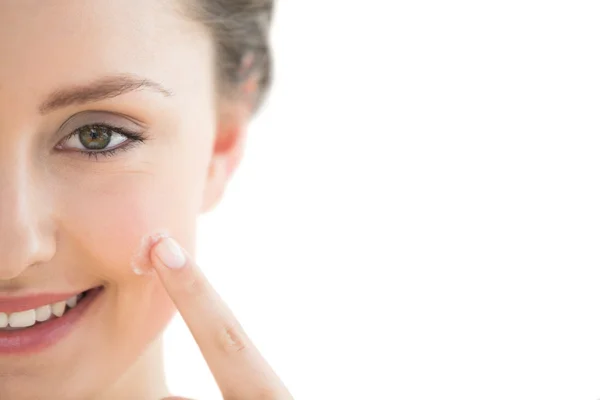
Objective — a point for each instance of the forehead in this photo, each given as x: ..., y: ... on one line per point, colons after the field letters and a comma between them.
x: 53, y: 43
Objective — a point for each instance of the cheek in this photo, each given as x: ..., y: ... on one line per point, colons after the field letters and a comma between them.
x: 109, y: 218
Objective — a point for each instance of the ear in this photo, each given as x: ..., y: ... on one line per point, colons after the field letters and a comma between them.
x: 233, y: 118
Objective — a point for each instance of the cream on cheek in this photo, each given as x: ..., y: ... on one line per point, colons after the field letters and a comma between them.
x: 108, y: 215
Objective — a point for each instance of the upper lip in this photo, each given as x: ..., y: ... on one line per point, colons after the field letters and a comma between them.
x: 10, y: 304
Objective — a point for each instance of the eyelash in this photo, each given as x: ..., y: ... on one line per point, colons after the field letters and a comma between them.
x: 134, y: 140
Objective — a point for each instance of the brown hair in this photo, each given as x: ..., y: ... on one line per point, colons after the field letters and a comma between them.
x: 240, y: 29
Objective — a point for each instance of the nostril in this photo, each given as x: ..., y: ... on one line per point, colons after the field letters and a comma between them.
x: 14, y: 262
x: 19, y: 253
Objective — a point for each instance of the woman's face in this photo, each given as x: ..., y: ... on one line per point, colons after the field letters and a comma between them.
x: 76, y: 77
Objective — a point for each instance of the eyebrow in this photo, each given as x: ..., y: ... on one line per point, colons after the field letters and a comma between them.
x: 104, y: 88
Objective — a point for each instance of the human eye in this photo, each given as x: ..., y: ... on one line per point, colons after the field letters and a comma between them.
x: 96, y: 140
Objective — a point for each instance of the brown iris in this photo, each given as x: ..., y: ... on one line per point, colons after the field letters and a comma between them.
x: 94, y: 137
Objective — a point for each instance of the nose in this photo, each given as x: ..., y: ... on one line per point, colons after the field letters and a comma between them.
x: 26, y: 232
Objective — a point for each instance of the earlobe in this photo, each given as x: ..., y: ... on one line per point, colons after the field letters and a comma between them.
x: 226, y: 156
x: 214, y: 186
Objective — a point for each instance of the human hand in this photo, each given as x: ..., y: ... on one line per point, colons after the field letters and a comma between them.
x: 238, y: 367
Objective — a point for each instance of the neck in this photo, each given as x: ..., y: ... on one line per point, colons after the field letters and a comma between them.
x: 144, y: 380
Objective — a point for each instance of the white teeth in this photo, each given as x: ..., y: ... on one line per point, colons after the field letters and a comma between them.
x: 43, y: 313
x: 22, y: 319
x: 72, y: 302
x: 58, y: 309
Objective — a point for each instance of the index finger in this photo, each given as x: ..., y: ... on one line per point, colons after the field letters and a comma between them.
x: 238, y: 367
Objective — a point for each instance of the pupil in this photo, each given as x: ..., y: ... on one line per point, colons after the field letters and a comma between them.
x: 94, y: 137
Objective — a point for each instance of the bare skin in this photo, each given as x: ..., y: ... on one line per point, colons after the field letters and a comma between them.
x: 73, y: 217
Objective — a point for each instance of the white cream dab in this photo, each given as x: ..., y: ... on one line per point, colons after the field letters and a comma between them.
x: 140, y: 262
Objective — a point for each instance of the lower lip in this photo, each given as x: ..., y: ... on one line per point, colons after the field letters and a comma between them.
x: 43, y: 335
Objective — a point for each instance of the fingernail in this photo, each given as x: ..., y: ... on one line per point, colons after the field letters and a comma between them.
x: 170, y: 253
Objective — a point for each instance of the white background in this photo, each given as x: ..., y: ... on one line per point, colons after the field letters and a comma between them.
x: 417, y: 216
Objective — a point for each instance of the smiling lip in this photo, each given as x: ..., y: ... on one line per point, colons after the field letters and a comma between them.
x: 42, y: 335
x: 15, y: 304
